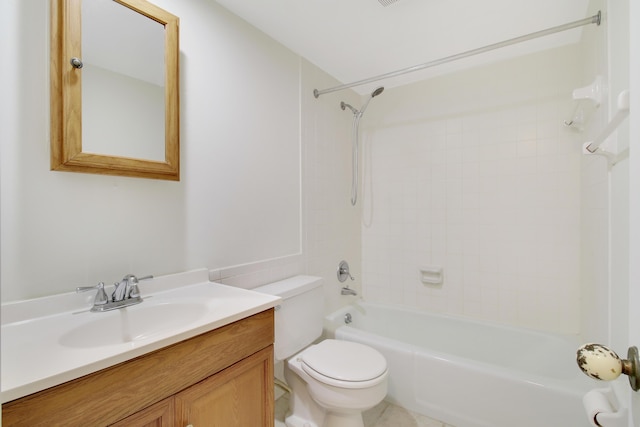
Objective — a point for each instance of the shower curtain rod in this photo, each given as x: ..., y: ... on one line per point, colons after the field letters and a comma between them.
x: 595, y: 19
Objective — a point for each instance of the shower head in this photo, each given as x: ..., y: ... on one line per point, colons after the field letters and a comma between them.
x: 344, y: 105
x: 375, y: 93
x: 378, y: 91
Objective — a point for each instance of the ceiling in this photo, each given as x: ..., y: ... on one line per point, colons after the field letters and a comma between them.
x: 358, y: 39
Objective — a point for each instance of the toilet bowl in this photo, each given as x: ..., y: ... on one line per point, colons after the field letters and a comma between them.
x: 343, y: 378
x: 331, y: 381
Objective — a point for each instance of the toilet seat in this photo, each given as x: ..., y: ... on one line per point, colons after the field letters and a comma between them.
x: 344, y: 364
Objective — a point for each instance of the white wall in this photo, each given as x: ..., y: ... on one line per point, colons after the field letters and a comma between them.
x: 594, y: 189
x: 238, y: 209
x: 634, y: 188
x: 333, y: 228
x: 474, y: 172
x: 619, y: 43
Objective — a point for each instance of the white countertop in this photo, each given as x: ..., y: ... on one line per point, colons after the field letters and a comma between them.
x: 48, y: 341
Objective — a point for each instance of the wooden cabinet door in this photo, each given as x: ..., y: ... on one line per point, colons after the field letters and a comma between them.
x: 239, y: 396
x: 160, y: 414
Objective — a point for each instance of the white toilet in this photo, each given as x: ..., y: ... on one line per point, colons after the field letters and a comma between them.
x: 333, y: 381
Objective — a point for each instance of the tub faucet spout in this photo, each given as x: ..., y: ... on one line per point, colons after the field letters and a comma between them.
x: 348, y: 291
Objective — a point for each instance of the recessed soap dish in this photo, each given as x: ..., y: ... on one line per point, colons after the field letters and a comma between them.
x: 431, y: 275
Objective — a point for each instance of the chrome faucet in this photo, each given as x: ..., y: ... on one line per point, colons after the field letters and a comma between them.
x: 126, y: 293
x: 343, y: 273
x: 348, y: 291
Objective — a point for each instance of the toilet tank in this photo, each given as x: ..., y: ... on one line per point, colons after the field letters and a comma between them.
x: 299, y: 317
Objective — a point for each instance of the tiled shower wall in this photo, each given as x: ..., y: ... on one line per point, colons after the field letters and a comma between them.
x: 475, y: 173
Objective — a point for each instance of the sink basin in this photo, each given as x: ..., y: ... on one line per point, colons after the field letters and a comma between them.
x: 132, y: 324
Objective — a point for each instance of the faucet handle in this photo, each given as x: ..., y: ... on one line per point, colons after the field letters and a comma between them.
x: 131, y: 282
x: 343, y: 271
x: 131, y: 278
x: 101, y: 295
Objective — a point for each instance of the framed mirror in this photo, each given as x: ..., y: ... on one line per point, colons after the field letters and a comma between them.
x: 115, y: 110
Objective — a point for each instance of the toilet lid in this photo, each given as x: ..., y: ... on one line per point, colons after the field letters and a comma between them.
x: 345, y: 360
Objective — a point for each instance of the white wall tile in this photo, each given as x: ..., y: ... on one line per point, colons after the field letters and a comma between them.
x: 497, y: 196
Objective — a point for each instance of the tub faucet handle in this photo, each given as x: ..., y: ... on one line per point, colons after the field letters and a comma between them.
x: 343, y: 271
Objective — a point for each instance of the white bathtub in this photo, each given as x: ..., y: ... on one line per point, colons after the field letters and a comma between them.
x: 470, y: 373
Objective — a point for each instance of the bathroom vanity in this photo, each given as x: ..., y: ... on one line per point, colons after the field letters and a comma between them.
x: 210, y: 372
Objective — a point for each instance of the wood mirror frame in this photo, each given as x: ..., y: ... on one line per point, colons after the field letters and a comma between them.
x: 66, y: 98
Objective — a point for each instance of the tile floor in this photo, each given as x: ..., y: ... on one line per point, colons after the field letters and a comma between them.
x: 382, y: 415
x: 388, y: 415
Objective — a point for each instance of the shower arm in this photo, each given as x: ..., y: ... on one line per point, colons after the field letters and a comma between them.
x: 595, y: 19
